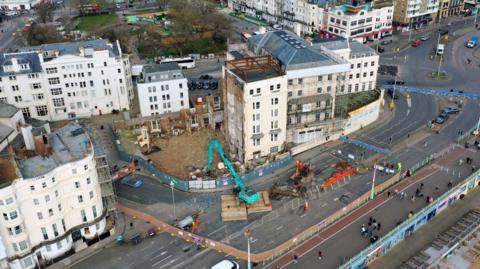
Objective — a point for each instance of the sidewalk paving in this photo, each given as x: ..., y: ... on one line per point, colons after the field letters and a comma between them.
x: 423, y: 238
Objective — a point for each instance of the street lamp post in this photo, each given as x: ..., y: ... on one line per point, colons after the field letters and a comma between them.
x: 372, y: 192
x: 248, y: 235
x: 172, y: 184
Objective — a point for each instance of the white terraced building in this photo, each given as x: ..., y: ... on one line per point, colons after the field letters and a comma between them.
x: 51, y: 200
x: 67, y: 80
x: 17, y: 4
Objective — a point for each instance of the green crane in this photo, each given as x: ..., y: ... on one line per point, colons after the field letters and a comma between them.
x: 247, y: 195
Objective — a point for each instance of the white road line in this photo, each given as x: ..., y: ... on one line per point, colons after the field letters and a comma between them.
x: 161, y: 254
x: 219, y: 229
x: 279, y: 227
x: 336, y: 199
x: 325, y: 204
x: 170, y: 262
x: 408, y: 111
x: 254, y: 240
x: 155, y: 264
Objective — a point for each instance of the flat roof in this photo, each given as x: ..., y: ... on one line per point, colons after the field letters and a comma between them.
x: 5, y: 131
x: 69, y: 143
x: 251, y: 69
x: 339, y: 43
x: 7, y: 110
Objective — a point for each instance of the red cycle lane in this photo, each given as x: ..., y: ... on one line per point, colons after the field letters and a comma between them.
x: 346, y: 221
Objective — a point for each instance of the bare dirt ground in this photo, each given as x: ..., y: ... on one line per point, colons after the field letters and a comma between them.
x: 7, y: 171
x: 183, y: 154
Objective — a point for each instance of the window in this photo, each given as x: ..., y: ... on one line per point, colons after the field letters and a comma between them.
x: 56, y: 193
x: 36, y: 86
x: 9, y: 200
x: 91, y: 194
x: 278, y: 86
x: 48, y: 248
x: 5, y: 216
x: 47, y: 198
x: 56, y: 91
x: 39, y: 215
x: 59, y: 207
x: 44, y: 232
x: 3, y: 100
x: 256, y: 105
x: 27, y: 262
x: 365, y: 74
x: 104, y: 63
x: 74, y: 171
x: 88, y: 180
x: 54, y: 81
x: 77, y: 184
x: 275, y: 101
x: 256, y: 141
x: 359, y: 65
x: 329, y: 77
x: 35, y: 201
x: 371, y: 73
x: 272, y: 87
x: 80, y: 199
x: 38, y: 96
x: 365, y: 64
x: 51, y: 70
x: 50, y: 212
x: 44, y: 185
x: 290, y: 82
x: 94, y: 210
x: 274, y: 124
x: 300, y: 81
x: 290, y: 94
x: 58, y: 102
x: 42, y: 110
x: 258, y: 90
x: 357, y: 75
x: 83, y: 215
x: 55, y: 230
x: 372, y: 63
x: 32, y: 188
x: 12, y: 78
x: 299, y: 93
x: 319, y: 90
x: 13, y: 215
x: 59, y: 244
x: 15, y: 247
x: 18, y: 98
x: 23, y: 245
x: 251, y: 91
x: 274, y: 137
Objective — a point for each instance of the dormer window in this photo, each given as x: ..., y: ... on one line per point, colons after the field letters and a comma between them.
x: 24, y: 66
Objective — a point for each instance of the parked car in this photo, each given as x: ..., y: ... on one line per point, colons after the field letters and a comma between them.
x: 397, y: 82
x: 425, y: 38
x: 441, y: 118
x: 450, y: 110
x: 206, y: 77
x: 380, y: 49
x: 132, y: 182
x: 386, y: 42
x: 443, y: 31
x: 277, y: 27
x: 416, y: 43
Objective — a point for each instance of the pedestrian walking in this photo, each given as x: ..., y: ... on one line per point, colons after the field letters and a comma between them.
x: 305, y: 206
x: 428, y: 199
x: 412, y: 199
x: 425, y: 144
x: 417, y: 192
x: 295, y: 259
x: 378, y: 226
x: 437, y: 189
x: 364, y: 230
x: 320, y: 255
x: 370, y: 220
x: 410, y: 214
x: 388, y: 194
x: 450, y: 184
x: 421, y: 186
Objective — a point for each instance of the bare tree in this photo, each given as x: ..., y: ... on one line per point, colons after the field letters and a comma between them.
x: 45, y: 11
x: 163, y: 4
x: 42, y: 34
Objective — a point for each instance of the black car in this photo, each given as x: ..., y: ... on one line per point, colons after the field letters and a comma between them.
x: 397, y: 82
x: 390, y: 93
x: 380, y: 49
x: 443, y: 31
x: 206, y: 77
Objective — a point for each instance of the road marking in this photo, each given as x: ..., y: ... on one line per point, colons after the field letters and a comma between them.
x: 279, y: 227
x: 161, y: 254
x: 254, y: 240
x: 155, y: 264
x: 336, y: 199
x: 170, y: 262
x: 325, y: 204
x: 408, y: 111
x: 219, y: 229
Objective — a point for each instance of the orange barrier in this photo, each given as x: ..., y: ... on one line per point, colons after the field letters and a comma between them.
x: 339, y: 176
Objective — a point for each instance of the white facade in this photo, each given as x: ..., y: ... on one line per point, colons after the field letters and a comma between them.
x: 360, y: 22
x: 255, y: 114
x: 162, y: 88
x: 67, y: 80
x: 41, y: 209
x: 17, y: 4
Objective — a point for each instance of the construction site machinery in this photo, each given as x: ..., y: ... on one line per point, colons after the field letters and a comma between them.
x: 277, y: 191
x: 247, y: 195
x: 125, y: 171
x: 303, y: 172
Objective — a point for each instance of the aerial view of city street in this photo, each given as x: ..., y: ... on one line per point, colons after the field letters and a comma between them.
x: 227, y: 134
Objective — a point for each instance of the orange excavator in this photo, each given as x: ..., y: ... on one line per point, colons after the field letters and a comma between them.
x: 125, y: 171
x: 303, y: 172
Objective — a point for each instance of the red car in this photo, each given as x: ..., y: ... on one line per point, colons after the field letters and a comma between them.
x: 416, y: 43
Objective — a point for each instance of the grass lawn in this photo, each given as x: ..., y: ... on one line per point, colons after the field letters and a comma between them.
x: 89, y: 23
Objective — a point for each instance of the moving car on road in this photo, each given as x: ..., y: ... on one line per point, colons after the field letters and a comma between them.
x: 450, y: 110
x: 416, y: 43
x: 380, y: 49
x: 425, y: 38
x: 441, y: 118
x: 396, y: 82
x: 440, y: 49
x: 443, y: 31
x: 226, y: 264
x: 472, y: 42
x: 132, y: 182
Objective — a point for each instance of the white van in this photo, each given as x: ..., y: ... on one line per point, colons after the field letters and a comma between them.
x: 440, y: 49
x: 226, y: 264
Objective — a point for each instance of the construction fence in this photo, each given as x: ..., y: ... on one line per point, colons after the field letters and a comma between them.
x: 192, y: 185
x: 348, y: 209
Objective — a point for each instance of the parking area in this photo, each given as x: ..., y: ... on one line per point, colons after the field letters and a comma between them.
x: 388, y: 70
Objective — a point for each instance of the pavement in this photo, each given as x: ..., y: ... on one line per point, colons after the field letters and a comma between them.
x: 424, y: 236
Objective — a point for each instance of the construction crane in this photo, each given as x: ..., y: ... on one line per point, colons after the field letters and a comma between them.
x: 247, y: 195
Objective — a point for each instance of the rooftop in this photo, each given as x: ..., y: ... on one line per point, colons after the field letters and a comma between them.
x: 166, y: 71
x: 356, y: 49
x: 7, y: 170
x: 30, y: 58
x: 73, y: 48
x: 251, y: 69
x: 5, y: 131
x: 69, y: 143
x: 290, y: 50
x: 7, y: 110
